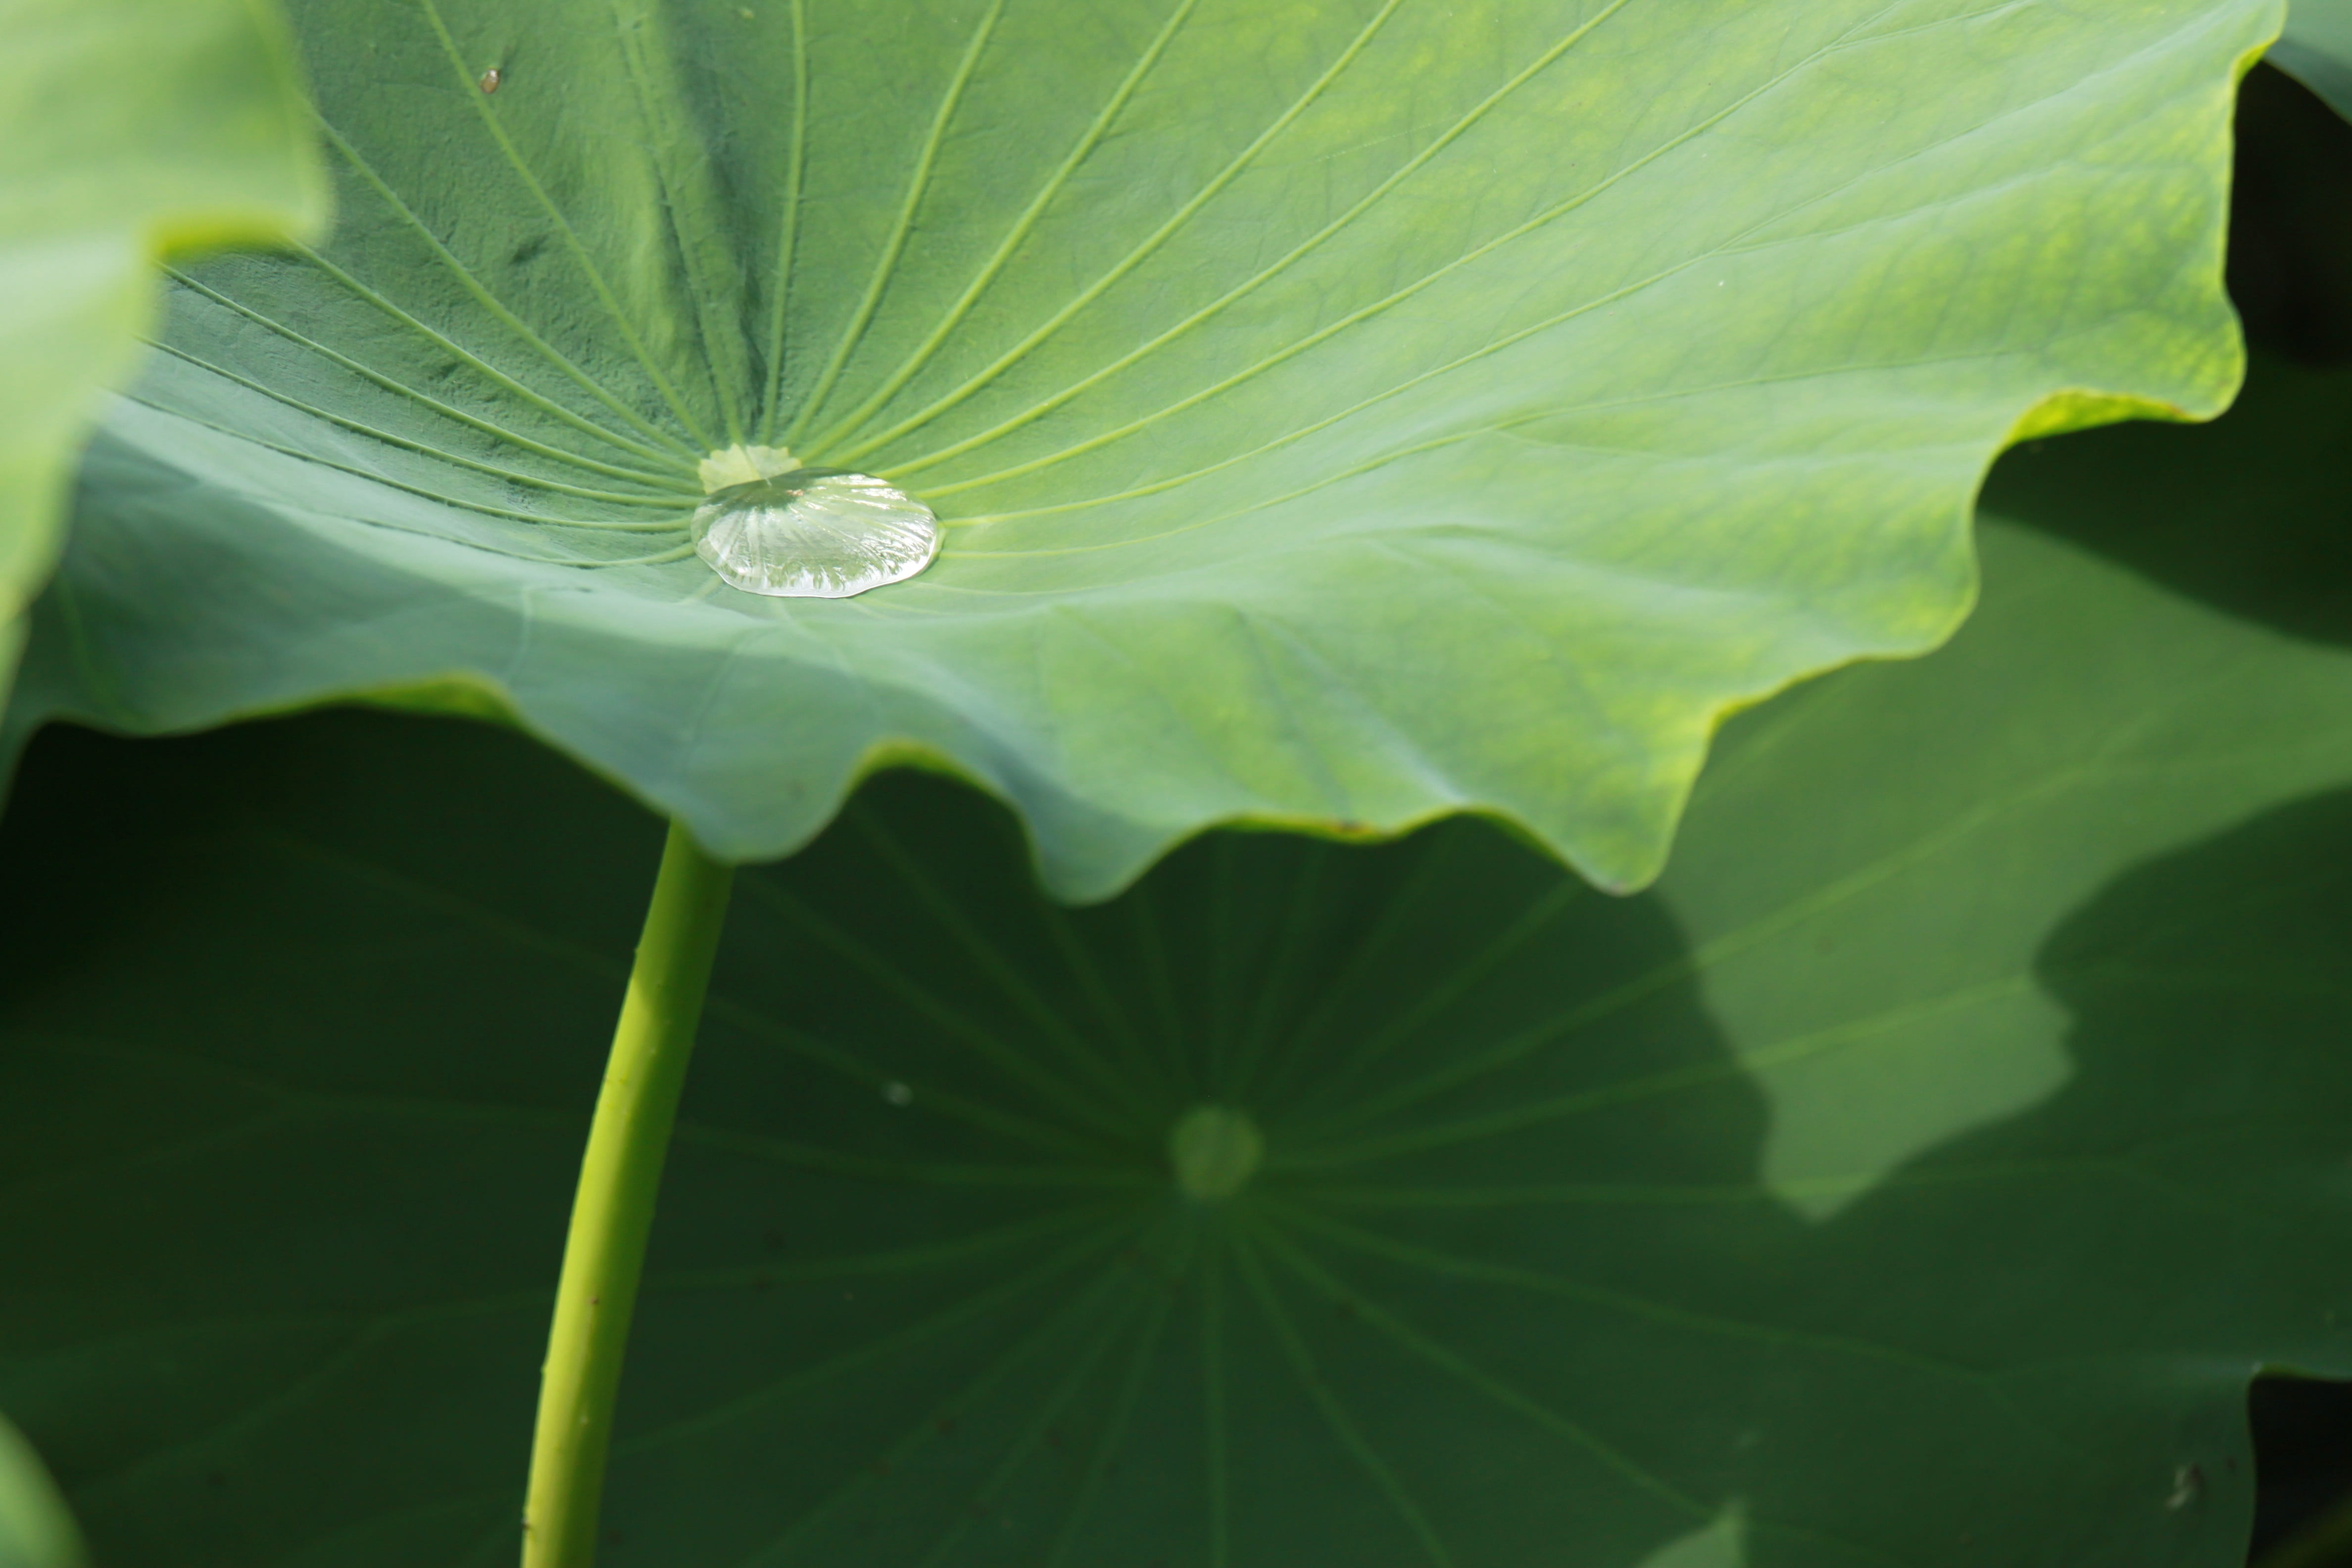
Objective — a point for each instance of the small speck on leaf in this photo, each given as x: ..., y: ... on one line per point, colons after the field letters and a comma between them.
x: 490, y: 79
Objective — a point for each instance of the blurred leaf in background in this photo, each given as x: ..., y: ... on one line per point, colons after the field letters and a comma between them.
x: 36, y: 1532
x: 130, y: 130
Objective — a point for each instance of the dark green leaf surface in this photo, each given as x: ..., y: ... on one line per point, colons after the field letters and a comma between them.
x: 1344, y: 415
x: 34, y: 1529
x: 1915, y: 1177
x: 2318, y: 48
x: 128, y: 130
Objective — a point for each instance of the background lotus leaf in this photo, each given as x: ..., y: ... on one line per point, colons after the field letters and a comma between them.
x: 34, y: 1529
x: 1344, y: 415
x: 1917, y: 1175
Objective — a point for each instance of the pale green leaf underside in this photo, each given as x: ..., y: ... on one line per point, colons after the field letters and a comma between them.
x: 34, y: 1529
x: 2316, y: 47
x: 1343, y: 414
x: 1915, y: 1177
x: 129, y: 129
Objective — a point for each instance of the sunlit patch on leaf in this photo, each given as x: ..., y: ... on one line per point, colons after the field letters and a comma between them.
x: 36, y: 1532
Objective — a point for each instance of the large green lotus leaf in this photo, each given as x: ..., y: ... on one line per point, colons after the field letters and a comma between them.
x: 34, y: 1529
x: 128, y: 130
x: 2318, y: 48
x: 1916, y: 1177
x: 1343, y: 414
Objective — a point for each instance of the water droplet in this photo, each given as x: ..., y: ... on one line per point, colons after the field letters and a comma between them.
x: 490, y: 79
x: 1215, y: 1149
x: 822, y: 533
x: 897, y: 1093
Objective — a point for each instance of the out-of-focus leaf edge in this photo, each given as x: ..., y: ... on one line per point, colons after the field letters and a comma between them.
x: 36, y: 1531
x: 301, y: 213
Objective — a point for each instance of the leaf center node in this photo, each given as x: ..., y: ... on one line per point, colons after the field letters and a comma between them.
x: 1215, y: 1149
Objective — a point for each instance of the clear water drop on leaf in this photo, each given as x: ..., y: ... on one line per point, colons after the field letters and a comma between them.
x: 823, y: 533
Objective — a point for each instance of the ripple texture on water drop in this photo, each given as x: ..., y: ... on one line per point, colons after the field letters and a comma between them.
x: 815, y: 533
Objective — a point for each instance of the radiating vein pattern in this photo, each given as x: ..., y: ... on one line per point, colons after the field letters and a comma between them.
x: 1029, y: 316
x: 1215, y: 1366
x: 1408, y: 1205
x: 976, y: 1314
x: 936, y: 1367
x: 1509, y: 1161
x: 1269, y: 375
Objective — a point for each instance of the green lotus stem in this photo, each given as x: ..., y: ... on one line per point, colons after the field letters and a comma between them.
x: 612, y: 1213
